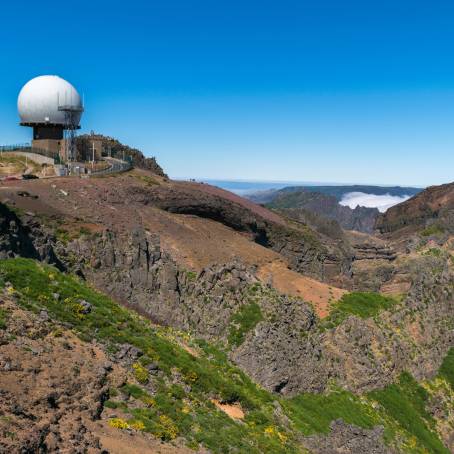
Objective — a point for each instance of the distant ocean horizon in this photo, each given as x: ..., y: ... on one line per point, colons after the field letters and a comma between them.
x: 243, y: 187
x: 247, y: 187
x: 382, y: 200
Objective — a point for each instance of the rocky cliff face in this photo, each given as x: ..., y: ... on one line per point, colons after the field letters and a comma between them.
x: 112, y: 396
x: 432, y: 208
x: 214, y: 304
x: 23, y: 236
x: 303, y: 247
x: 360, y: 354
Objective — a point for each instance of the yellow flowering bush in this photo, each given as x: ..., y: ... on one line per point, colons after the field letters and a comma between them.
x: 167, y: 430
x: 140, y: 373
x: 79, y: 310
x: 273, y: 432
x: 148, y: 401
x: 118, y: 423
x: 137, y: 425
x: 43, y: 299
x: 191, y: 377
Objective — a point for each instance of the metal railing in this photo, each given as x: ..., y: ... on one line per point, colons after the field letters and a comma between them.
x: 15, y: 147
x: 116, y: 166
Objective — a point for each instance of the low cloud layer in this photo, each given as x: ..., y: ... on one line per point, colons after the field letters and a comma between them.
x: 382, y: 202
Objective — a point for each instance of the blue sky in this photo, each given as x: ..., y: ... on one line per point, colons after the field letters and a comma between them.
x: 326, y: 91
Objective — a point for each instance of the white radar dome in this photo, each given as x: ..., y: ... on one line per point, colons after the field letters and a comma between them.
x: 46, y: 100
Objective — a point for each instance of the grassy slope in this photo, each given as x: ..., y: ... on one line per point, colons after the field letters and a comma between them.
x: 182, y: 406
x: 360, y: 304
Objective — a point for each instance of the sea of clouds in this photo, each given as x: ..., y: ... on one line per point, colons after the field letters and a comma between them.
x: 382, y: 202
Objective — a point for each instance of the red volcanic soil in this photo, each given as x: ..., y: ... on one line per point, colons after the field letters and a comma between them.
x: 120, y: 203
x: 256, y: 209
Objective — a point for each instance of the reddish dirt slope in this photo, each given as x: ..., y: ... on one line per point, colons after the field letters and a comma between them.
x: 194, y: 242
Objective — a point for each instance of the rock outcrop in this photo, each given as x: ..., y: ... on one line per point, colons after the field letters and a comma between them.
x: 349, y: 439
x: 432, y: 207
x: 23, y: 236
x: 285, y: 351
x: 304, y: 248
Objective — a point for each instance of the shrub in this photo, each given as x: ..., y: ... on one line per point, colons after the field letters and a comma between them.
x: 3, y: 318
x: 242, y: 322
x: 136, y: 425
x: 361, y: 304
x: 447, y: 368
x: 434, y: 229
x: 167, y: 430
x: 140, y: 373
x: 118, y: 423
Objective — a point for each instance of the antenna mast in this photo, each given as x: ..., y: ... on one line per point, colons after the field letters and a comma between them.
x: 72, y: 115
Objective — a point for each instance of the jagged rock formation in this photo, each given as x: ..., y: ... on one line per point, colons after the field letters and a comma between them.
x: 369, y: 354
x: 132, y: 267
x: 110, y: 396
x: 348, y: 438
x: 287, y: 335
x: 304, y: 249
x: 24, y: 237
x: 434, y: 207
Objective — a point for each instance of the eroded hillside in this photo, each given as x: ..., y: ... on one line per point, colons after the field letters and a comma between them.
x: 126, y: 385
x: 245, y: 313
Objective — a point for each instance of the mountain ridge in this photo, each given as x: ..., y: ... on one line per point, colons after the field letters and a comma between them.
x: 206, y: 303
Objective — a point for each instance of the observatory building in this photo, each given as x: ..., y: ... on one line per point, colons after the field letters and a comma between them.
x: 53, y: 108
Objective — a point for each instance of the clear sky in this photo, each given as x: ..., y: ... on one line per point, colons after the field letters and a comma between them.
x: 328, y: 91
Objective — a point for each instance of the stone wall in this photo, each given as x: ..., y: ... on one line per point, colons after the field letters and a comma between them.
x: 38, y: 158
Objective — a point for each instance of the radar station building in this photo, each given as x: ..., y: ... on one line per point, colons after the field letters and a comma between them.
x: 53, y: 108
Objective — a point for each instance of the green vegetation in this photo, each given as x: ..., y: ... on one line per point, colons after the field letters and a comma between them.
x: 3, y: 318
x: 66, y: 233
x: 361, y: 304
x: 242, y: 322
x: 446, y: 370
x: 405, y: 402
x: 313, y: 413
x: 173, y: 409
x: 191, y: 275
x: 434, y: 229
x: 434, y: 252
x: 181, y: 404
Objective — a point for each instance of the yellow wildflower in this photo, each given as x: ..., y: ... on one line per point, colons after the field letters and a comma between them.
x: 137, y: 425
x: 118, y: 423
